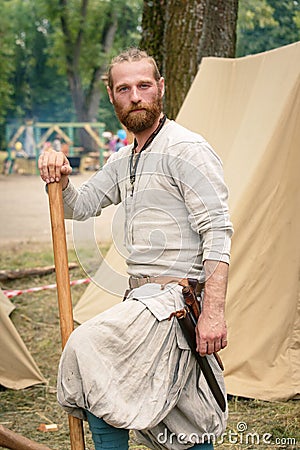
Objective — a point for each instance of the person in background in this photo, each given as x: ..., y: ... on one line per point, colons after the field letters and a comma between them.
x: 56, y: 144
x: 119, y: 144
x: 130, y: 367
x: 9, y: 163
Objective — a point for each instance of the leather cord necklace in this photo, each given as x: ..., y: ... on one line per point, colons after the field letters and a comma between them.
x: 133, y: 165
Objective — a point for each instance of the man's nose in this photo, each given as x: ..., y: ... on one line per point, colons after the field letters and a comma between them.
x: 135, y: 95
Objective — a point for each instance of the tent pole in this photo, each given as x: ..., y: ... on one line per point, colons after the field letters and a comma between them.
x: 63, y: 290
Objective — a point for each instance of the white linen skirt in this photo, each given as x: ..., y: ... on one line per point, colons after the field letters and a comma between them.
x: 131, y: 366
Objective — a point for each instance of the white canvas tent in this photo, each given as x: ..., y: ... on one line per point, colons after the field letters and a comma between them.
x: 249, y: 110
x: 107, y: 289
x: 18, y: 370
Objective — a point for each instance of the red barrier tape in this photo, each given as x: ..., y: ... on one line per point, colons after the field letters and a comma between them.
x: 13, y: 293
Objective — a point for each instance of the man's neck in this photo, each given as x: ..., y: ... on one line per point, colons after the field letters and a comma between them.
x: 142, y: 137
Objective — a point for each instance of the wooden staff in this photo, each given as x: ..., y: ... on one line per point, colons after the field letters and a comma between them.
x: 63, y: 290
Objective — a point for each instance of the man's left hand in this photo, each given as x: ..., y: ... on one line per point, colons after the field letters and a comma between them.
x: 211, y: 334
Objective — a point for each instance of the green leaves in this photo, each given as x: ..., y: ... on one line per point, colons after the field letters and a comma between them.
x: 267, y: 24
x: 54, y: 53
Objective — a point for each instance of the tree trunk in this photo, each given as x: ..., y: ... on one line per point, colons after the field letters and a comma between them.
x: 178, y: 33
x: 153, y: 25
x: 218, y: 36
x: 183, y: 25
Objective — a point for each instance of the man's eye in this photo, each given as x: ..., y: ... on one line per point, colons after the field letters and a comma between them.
x: 144, y: 85
x: 123, y: 89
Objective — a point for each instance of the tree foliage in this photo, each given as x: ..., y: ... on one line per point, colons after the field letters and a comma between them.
x: 36, y: 90
x: 6, y: 65
x: 85, y: 35
x: 53, y: 54
x: 267, y: 24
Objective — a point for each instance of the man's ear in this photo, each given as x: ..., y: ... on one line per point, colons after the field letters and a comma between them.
x: 110, y: 94
x: 162, y: 86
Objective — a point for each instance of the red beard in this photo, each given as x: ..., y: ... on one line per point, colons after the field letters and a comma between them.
x: 140, y: 120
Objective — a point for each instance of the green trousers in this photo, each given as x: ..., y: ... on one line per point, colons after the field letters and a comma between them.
x: 106, y: 437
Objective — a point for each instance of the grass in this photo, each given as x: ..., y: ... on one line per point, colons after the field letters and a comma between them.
x: 36, y: 319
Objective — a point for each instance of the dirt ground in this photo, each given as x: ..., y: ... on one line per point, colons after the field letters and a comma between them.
x: 25, y: 217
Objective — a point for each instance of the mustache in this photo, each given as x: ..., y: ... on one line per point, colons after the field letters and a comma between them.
x: 138, y: 106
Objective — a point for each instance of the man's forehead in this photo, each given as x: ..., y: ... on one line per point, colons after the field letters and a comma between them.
x: 130, y: 70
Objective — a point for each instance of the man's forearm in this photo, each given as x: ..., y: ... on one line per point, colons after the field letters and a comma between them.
x: 216, y: 278
x: 211, y: 331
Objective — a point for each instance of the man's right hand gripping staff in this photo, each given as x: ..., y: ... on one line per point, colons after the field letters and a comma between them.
x: 54, y: 166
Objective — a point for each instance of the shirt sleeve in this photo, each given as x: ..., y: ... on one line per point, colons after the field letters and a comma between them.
x: 101, y: 190
x: 200, y: 180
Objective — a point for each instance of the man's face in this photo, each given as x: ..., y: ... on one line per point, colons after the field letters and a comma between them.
x: 136, y: 95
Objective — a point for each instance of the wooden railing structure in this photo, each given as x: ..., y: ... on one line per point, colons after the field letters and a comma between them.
x: 41, y: 132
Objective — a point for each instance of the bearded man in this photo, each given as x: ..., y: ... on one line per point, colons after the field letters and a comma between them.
x: 131, y: 367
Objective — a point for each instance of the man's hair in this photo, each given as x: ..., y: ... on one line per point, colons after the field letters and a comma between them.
x: 132, y: 54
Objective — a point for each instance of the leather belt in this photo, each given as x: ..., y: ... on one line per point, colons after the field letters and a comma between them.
x: 136, y: 282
